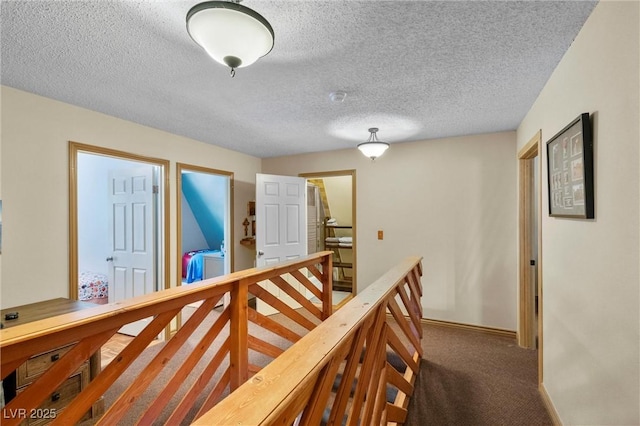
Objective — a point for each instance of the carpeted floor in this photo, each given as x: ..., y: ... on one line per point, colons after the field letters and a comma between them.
x: 466, y: 378
x: 473, y: 378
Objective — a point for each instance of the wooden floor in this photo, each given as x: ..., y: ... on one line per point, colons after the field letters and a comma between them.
x: 340, y: 298
x: 113, y: 347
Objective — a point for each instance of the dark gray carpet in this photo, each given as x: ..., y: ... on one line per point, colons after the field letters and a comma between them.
x: 474, y: 378
x: 466, y: 378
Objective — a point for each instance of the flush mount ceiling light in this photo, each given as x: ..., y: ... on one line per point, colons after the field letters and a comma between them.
x: 373, y: 148
x: 230, y: 33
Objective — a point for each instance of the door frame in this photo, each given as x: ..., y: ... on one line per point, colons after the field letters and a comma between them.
x: 343, y: 173
x: 229, y: 245
x: 163, y: 241
x: 526, y: 298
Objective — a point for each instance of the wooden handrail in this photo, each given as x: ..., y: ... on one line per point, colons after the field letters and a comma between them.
x: 89, y: 329
x: 338, y: 366
x: 360, y: 344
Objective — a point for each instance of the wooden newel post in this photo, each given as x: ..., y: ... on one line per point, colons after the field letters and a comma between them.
x: 239, y: 350
x: 327, y: 286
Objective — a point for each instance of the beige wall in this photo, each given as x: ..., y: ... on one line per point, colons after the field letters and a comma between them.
x: 590, y: 267
x: 339, y: 195
x: 452, y: 201
x: 339, y: 191
x: 0, y: 184
x: 34, y: 168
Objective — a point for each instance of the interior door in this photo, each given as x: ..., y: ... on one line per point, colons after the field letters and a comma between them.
x: 132, y: 259
x: 281, y: 226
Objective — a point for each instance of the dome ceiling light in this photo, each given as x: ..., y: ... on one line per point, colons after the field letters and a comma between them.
x: 230, y: 33
x: 373, y: 148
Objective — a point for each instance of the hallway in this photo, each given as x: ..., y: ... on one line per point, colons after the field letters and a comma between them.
x: 469, y: 377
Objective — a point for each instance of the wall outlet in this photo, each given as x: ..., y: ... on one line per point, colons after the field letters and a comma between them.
x: 380, y: 235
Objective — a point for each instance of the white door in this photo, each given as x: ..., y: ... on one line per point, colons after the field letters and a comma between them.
x: 132, y: 259
x: 281, y: 226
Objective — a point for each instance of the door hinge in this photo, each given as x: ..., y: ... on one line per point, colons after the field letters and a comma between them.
x: 156, y: 189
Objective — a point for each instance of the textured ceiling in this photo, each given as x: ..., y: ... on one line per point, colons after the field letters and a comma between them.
x: 415, y: 69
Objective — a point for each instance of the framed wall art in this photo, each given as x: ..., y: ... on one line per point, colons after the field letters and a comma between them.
x: 570, y: 170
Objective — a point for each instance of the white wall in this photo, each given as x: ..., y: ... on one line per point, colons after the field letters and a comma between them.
x: 93, y: 213
x: 591, y: 267
x: 452, y: 201
x: 34, y: 168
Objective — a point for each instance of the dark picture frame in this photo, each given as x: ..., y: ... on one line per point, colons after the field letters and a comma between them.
x: 570, y: 170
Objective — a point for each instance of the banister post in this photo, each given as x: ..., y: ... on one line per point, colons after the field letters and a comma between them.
x: 238, y: 334
x: 327, y: 286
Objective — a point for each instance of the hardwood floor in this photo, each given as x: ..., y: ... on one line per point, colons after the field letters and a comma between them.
x: 114, y: 346
x: 340, y: 298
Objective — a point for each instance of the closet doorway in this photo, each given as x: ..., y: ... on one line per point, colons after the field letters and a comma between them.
x: 530, y: 284
x: 204, y: 222
x: 331, y: 222
x: 117, y: 226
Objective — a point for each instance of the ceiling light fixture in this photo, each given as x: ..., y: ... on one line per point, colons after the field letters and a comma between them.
x: 230, y: 33
x: 373, y: 148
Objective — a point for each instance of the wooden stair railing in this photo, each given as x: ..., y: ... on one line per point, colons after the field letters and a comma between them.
x: 230, y: 366
x: 357, y: 368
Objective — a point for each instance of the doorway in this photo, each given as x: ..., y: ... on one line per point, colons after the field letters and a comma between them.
x: 117, y: 226
x: 281, y: 232
x: 530, y: 248
x: 205, y: 223
x: 313, y: 212
x: 336, y: 227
